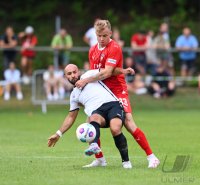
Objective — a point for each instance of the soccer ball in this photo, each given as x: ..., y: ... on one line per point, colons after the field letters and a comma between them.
x: 86, y: 133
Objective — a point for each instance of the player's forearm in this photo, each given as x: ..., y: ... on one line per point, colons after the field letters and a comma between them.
x: 68, y: 122
x: 118, y: 71
x: 103, y: 74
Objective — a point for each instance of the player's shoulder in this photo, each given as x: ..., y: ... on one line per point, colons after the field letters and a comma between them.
x: 114, y: 44
x: 75, y: 93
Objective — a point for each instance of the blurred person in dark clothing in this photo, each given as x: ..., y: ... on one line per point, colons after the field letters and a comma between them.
x: 135, y: 83
x: 8, y: 41
x: 162, y: 85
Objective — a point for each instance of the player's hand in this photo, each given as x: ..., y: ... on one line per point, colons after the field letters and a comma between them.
x: 129, y: 70
x: 80, y: 84
x: 52, y: 140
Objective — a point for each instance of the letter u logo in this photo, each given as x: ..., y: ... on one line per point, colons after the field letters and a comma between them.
x: 179, y: 165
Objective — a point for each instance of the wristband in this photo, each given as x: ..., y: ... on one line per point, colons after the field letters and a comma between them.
x: 59, y: 133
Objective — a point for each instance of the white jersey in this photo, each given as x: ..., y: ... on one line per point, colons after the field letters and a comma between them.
x: 92, y: 96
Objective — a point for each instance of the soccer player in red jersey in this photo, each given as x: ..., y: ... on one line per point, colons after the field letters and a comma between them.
x: 107, y: 56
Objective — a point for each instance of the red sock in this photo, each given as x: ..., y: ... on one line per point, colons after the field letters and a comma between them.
x: 99, y: 155
x: 140, y: 137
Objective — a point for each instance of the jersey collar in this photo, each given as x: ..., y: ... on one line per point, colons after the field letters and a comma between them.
x: 103, y: 47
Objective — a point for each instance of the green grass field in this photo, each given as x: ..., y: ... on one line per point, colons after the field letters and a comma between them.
x: 172, y: 127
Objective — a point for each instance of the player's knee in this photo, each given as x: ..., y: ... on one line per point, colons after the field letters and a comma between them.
x: 115, y: 128
x: 129, y: 123
x: 115, y: 132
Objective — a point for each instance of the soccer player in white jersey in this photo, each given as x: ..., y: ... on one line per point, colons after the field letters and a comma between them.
x: 102, y: 108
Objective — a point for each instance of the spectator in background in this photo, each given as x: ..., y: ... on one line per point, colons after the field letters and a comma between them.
x: 152, y: 60
x: 86, y: 67
x: 139, y: 46
x: 162, y: 85
x: 162, y: 47
x: 90, y: 37
x: 8, y: 41
x: 62, y: 42
x: 187, y: 44
x: 199, y: 83
x: 51, y: 83
x: 12, y: 78
x: 28, y: 42
x: 56, y: 87
x: 164, y: 29
x: 135, y: 83
x: 168, y: 60
x: 64, y: 86
x: 116, y: 37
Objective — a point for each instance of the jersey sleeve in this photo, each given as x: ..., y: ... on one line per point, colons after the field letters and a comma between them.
x: 114, y: 56
x: 74, y: 101
x: 90, y: 73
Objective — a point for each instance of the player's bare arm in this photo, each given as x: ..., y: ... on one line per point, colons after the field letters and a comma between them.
x: 118, y: 71
x: 68, y: 122
x: 103, y: 74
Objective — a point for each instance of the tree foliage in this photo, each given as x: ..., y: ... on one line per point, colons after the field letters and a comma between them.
x: 78, y: 15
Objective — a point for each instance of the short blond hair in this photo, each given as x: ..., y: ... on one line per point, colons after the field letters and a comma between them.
x: 101, y: 25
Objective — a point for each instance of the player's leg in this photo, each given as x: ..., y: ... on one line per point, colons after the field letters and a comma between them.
x: 141, y: 139
x: 137, y: 133
x: 97, y: 121
x: 120, y: 141
x: 99, y: 155
x: 100, y: 160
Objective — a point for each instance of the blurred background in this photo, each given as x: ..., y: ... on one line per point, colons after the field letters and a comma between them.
x: 160, y: 41
x: 41, y: 37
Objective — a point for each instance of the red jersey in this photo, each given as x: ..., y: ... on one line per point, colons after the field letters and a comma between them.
x: 140, y: 40
x: 29, y: 41
x: 110, y: 55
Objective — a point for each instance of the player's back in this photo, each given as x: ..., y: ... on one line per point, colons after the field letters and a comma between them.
x: 93, y: 95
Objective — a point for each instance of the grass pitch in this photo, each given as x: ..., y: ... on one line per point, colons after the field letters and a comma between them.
x: 171, y: 126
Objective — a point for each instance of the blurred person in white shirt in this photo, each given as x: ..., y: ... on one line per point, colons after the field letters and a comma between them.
x: 55, y: 84
x: 90, y: 37
x: 12, y: 78
x: 51, y: 83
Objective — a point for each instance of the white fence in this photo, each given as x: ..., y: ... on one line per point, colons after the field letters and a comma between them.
x: 38, y: 92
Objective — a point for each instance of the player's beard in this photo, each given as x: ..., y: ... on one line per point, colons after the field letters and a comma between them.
x: 74, y: 80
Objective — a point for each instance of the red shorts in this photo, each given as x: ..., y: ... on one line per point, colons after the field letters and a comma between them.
x: 123, y: 98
